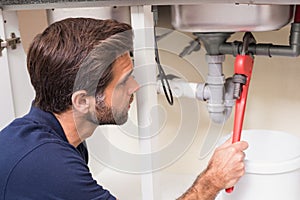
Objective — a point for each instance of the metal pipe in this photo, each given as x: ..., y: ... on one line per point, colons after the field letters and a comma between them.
x: 293, y: 50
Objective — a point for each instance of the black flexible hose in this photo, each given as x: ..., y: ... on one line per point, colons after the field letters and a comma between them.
x: 162, y: 74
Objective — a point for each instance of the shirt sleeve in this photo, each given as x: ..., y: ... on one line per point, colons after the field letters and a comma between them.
x: 54, y: 171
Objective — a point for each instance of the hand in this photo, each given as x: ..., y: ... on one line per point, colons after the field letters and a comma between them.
x: 224, y: 170
x: 227, y: 164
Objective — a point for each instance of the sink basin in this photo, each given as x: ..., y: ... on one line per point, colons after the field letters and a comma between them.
x: 230, y: 17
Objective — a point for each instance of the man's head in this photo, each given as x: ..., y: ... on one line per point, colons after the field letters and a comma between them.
x: 78, y: 60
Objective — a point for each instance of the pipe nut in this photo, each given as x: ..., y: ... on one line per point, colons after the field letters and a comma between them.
x: 215, y: 80
x: 215, y: 58
x: 215, y: 108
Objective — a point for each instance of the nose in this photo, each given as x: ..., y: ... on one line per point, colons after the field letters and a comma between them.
x: 133, y: 86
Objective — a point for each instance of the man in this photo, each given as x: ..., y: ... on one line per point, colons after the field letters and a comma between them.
x: 81, y: 71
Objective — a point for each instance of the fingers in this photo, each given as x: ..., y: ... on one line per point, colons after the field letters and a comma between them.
x: 241, y: 146
x: 236, y: 151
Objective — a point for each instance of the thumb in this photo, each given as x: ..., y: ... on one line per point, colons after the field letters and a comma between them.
x: 242, y: 145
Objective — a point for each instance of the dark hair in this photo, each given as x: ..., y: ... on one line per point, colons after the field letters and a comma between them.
x: 66, y: 47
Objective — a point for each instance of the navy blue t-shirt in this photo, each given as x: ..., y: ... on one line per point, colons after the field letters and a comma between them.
x: 37, y: 162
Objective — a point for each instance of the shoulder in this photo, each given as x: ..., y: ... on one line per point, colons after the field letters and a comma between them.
x: 54, y: 170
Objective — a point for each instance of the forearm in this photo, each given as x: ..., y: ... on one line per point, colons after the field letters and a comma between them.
x: 202, y: 189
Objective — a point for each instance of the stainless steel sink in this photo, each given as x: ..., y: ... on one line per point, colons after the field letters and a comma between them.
x: 230, y: 17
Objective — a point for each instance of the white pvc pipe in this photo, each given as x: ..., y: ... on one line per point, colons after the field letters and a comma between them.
x: 145, y: 73
x: 179, y: 88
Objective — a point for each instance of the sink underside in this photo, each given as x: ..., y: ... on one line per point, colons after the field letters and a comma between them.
x: 230, y: 17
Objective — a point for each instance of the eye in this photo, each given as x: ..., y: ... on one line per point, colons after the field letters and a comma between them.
x: 123, y: 82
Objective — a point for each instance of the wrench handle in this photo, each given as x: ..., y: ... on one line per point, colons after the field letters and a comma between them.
x: 229, y: 190
x: 243, y: 65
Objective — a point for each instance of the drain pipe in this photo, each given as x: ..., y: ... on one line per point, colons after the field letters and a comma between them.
x: 217, y: 91
x: 215, y: 83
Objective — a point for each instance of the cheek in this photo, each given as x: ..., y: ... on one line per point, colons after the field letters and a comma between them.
x: 119, y: 98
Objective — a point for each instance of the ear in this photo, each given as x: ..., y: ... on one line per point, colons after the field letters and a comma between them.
x: 81, y: 101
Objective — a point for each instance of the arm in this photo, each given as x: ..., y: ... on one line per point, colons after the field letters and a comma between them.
x: 224, y: 170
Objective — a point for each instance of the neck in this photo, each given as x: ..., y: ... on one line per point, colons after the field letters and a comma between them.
x: 75, y: 128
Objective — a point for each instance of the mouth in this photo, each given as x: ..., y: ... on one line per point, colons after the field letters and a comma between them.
x: 131, y: 99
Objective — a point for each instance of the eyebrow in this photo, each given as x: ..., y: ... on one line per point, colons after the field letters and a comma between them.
x: 126, y: 76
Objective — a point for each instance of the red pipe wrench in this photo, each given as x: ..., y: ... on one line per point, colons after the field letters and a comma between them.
x: 243, y: 69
